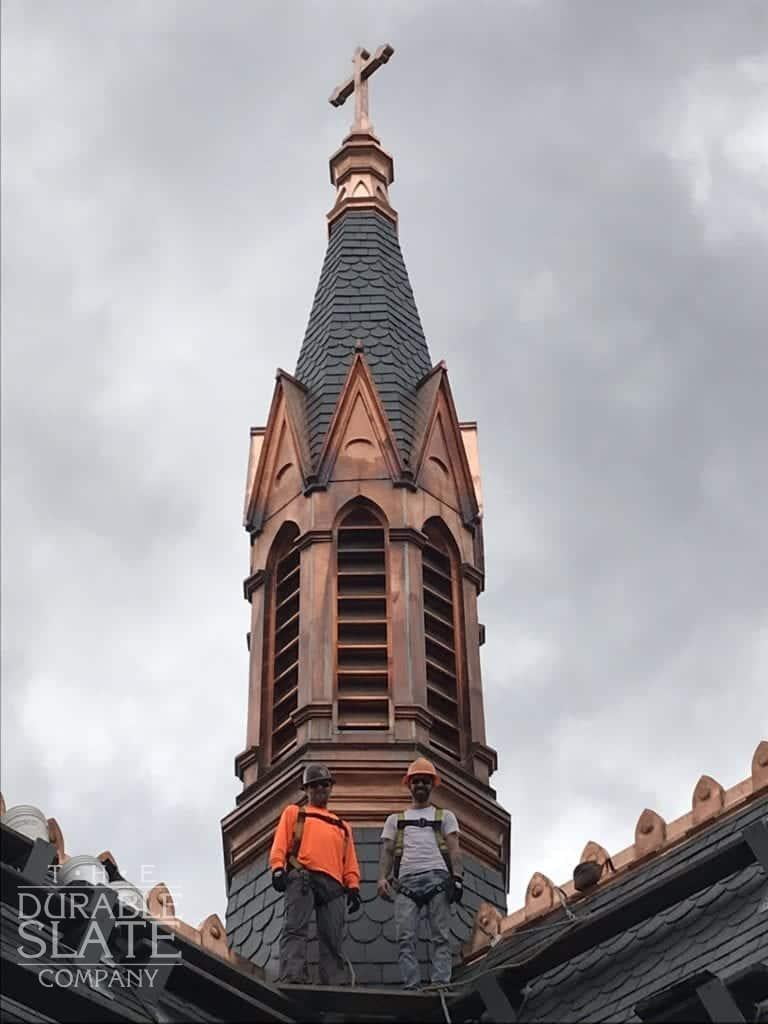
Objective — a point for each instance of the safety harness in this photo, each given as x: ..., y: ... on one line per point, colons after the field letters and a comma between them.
x: 436, y: 824
x: 298, y: 832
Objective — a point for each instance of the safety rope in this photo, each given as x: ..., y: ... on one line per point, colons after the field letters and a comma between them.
x: 447, y: 1015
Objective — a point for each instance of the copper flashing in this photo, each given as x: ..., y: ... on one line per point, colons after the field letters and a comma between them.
x: 281, y: 374
x: 442, y: 365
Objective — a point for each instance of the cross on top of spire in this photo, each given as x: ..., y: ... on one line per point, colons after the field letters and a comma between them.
x: 365, y: 65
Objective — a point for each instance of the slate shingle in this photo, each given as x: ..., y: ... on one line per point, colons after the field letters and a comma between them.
x: 363, y: 294
x: 720, y: 929
x: 370, y: 934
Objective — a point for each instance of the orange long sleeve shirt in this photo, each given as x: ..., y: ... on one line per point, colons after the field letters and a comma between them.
x: 323, y: 847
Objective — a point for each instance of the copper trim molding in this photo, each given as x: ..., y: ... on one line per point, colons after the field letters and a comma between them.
x: 469, y: 572
x: 415, y: 713
x: 252, y: 583
x: 313, y: 537
x: 307, y: 711
x: 244, y: 760
x: 407, y: 534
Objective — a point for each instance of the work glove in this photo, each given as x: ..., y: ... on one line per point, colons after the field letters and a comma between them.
x: 279, y: 881
x: 353, y: 900
x: 456, y: 891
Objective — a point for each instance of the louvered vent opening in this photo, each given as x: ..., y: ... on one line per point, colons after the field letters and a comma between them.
x: 285, y: 664
x: 362, y: 663
x: 440, y: 638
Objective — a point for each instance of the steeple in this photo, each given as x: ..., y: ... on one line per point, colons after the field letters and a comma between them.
x: 364, y: 298
x: 364, y: 510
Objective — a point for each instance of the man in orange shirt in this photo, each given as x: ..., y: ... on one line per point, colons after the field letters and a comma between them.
x: 314, y: 863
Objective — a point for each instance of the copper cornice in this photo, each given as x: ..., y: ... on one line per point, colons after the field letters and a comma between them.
x: 415, y: 713
x: 252, y: 583
x: 487, y: 754
x: 474, y: 575
x: 313, y: 537
x: 307, y: 711
x: 244, y: 760
x: 408, y: 534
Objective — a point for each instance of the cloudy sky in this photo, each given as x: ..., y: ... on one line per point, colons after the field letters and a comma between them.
x: 583, y: 199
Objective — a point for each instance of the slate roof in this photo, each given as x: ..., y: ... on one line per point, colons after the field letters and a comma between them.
x: 363, y: 295
x: 722, y: 928
x: 192, y: 984
x: 255, y: 916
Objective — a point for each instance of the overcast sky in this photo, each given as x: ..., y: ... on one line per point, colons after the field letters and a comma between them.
x: 583, y: 199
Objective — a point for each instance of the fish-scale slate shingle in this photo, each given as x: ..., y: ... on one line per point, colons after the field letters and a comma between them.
x: 253, y: 927
x: 363, y: 295
x: 721, y: 929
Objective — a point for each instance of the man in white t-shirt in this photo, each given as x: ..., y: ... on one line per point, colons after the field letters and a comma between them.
x: 420, y: 852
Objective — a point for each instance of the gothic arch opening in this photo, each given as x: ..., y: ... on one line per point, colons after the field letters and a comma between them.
x: 442, y: 637
x: 362, y: 619
x: 282, y: 641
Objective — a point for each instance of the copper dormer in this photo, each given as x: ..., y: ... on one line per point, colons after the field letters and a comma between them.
x: 361, y: 170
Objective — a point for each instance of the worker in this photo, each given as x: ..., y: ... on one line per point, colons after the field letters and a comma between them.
x: 313, y: 861
x: 420, y: 866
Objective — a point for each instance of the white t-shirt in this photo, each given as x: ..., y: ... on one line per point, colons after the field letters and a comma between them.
x: 420, y: 849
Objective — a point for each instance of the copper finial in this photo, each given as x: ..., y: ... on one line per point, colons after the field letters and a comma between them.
x: 360, y: 169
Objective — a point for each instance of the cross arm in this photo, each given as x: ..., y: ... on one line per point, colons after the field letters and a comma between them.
x: 343, y: 92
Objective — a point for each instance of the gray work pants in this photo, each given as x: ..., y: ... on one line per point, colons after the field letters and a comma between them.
x: 307, y: 891
x: 407, y: 913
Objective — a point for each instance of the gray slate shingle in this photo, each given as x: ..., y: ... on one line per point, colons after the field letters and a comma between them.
x: 253, y: 928
x: 720, y: 928
x: 363, y: 295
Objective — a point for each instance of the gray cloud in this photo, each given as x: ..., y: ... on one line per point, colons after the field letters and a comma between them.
x: 582, y: 193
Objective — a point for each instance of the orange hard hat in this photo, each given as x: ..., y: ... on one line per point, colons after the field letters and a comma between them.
x: 421, y: 766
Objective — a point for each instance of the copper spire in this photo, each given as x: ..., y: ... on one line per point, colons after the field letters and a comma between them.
x: 361, y: 170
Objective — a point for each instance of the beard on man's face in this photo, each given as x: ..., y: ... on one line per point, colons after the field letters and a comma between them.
x: 420, y: 789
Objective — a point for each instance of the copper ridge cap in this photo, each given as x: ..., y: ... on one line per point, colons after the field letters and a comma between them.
x: 653, y: 837
x: 360, y: 169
